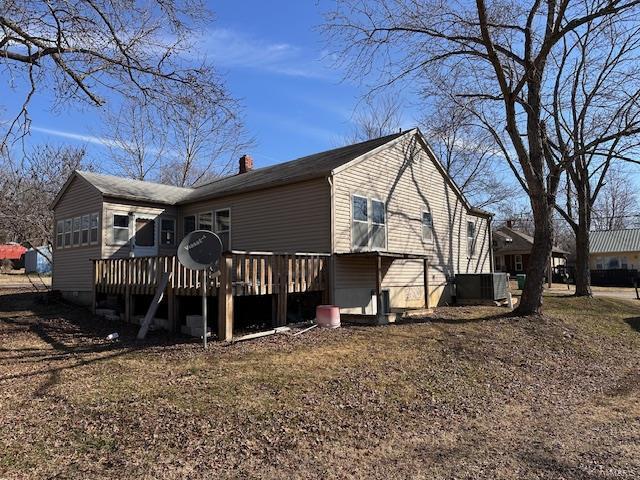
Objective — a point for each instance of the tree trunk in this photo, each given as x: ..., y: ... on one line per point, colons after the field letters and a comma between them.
x: 583, y: 273
x: 531, y: 300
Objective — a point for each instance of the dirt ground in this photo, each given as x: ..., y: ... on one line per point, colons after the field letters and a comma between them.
x: 18, y: 279
x: 468, y: 393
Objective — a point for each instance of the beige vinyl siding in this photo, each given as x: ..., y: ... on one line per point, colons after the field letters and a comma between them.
x: 288, y: 218
x: 72, y: 265
x: 122, y: 207
x: 409, y: 182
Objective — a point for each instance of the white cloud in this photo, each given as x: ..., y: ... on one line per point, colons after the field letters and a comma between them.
x: 105, y: 142
x: 231, y: 49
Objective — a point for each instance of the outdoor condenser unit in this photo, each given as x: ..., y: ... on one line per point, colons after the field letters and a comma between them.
x: 481, y: 286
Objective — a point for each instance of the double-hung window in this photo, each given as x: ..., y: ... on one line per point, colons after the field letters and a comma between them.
x: 68, y: 224
x: 205, y: 221
x: 223, y: 227
x: 471, y: 238
x: 369, y: 224
x: 167, y: 231
x: 120, y: 229
x: 76, y: 231
x: 427, y: 226
x: 518, y: 263
x: 85, y: 230
x: 60, y: 234
x: 93, y: 228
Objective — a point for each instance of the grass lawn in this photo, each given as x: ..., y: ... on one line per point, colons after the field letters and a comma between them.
x: 468, y: 393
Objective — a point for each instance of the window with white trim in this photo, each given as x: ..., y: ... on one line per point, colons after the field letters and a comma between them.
x: 223, y: 227
x: 360, y: 222
x: 378, y: 225
x: 60, y: 234
x: 427, y: 226
x: 84, y: 229
x: 518, y: 263
x: 205, y: 221
x: 120, y: 228
x: 471, y: 239
x: 93, y: 228
x: 167, y: 231
x: 68, y: 225
x: 76, y: 230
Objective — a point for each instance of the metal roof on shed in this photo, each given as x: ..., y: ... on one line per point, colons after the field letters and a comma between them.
x: 614, y: 241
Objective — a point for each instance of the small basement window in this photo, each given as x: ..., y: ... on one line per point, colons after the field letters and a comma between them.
x: 120, y: 228
x: 167, y: 231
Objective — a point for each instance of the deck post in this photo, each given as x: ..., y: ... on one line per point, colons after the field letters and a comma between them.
x: 283, y: 288
x: 225, y: 299
x: 171, y: 295
x: 425, y: 276
x: 379, y: 312
x: 94, y: 275
x: 127, y: 294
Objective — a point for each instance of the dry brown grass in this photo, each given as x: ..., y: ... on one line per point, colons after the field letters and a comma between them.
x: 469, y: 393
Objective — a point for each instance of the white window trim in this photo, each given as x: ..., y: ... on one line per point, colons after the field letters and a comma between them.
x: 70, y: 244
x: 213, y: 219
x: 112, y: 237
x: 88, y: 217
x: 59, y: 233
x: 215, y: 224
x: 175, y: 233
x: 97, y: 216
x: 473, y: 240
x: 386, y: 232
x: 369, y: 222
x: 427, y: 240
x: 517, y: 262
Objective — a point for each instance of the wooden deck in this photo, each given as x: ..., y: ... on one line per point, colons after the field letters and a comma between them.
x: 241, y: 274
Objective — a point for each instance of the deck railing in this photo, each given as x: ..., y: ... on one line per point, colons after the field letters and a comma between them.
x: 252, y: 273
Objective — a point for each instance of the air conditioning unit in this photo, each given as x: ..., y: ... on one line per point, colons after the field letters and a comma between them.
x: 482, y: 286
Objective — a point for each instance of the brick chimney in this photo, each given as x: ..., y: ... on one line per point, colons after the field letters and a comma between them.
x: 246, y: 164
x: 509, y: 223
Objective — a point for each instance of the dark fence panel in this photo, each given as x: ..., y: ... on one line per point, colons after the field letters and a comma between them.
x: 614, y: 278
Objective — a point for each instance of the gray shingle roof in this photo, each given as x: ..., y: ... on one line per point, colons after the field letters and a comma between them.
x: 521, y: 242
x: 613, y: 241
x: 135, y: 189
x: 304, y: 168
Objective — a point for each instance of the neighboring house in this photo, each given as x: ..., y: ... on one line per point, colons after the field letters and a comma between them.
x: 615, y: 249
x: 380, y: 210
x: 511, y: 250
x: 38, y: 260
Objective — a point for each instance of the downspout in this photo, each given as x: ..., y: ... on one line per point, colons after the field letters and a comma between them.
x: 491, y: 259
x: 332, y: 228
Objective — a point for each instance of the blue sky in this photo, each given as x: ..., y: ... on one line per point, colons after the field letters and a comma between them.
x: 274, y: 61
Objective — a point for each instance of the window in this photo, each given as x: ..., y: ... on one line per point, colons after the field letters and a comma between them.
x: 205, y: 221
x: 360, y: 216
x: 93, y: 225
x: 120, y: 228
x: 76, y: 231
x: 189, y: 224
x: 427, y: 227
x: 145, y: 235
x: 471, y: 238
x: 60, y: 234
x: 498, y: 263
x: 85, y: 230
x: 518, y: 262
x: 223, y: 227
x: 68, y: 224
x: 378, y: 225
x: 614, y: 263
x: 167, y: 231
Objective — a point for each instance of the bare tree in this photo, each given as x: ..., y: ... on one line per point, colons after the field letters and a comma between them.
x: 618, y: 205
x: 135, y: 140
x: 470, y: 156
x: 29, y: 185
x: 81, y: 50
x: 375, y: 117
x: 497, y: 56
x: 595, y: 116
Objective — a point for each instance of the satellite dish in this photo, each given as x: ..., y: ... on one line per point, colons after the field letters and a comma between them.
x: 200, y: 250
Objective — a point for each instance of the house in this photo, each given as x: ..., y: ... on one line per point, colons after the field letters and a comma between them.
x: 13, y: 253
x: 379, y: 226
x: 512, y: 248
x: 615, y: 249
